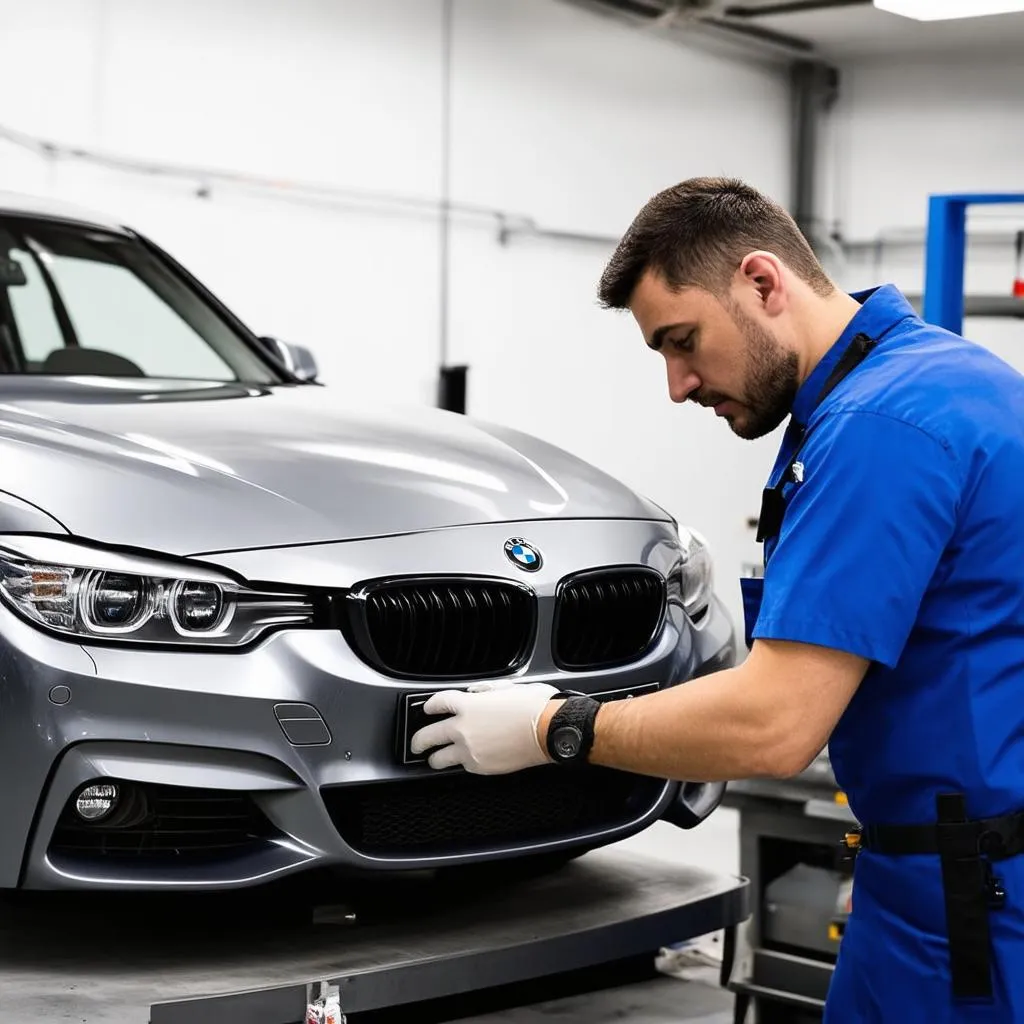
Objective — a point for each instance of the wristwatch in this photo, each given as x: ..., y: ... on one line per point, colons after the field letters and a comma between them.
x: 571, y: 730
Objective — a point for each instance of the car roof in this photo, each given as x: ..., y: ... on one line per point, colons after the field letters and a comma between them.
x: 37, y: 206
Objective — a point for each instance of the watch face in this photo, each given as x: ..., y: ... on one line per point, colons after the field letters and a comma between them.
x: 567, y: 741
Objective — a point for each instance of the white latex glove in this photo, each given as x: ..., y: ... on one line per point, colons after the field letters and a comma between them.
x: 492, y: 730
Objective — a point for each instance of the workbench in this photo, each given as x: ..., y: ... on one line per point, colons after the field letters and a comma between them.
x: 784, y: 963
x: 259, y: 956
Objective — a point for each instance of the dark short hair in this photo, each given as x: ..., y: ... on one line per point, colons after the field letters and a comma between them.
x: 696, y: 234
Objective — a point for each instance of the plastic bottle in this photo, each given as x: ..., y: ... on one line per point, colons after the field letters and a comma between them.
x: 326, y: 1008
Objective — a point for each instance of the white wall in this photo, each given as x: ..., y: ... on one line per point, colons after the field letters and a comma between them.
x: 905, y: 129
x: 557, y: 114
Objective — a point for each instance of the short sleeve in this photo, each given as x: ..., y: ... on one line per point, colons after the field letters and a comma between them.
x: 862, y: 536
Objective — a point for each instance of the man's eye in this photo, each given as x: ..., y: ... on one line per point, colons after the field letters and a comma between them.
x: 683, y: 344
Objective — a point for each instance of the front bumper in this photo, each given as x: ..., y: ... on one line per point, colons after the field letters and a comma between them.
x: 296, y: 738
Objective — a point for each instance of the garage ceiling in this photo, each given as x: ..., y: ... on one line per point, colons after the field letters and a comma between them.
x: 831, y: 29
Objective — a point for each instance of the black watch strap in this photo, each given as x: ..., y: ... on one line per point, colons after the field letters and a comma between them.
x: 571, y: 730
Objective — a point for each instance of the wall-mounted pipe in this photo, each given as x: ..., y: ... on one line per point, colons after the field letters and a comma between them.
x: 507, y: 224
x: 814, y: 88
x: 446, y: 398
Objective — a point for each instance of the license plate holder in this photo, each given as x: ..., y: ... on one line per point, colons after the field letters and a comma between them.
x: 411, y: 718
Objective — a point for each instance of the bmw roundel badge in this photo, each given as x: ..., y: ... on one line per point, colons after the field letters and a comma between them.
x: 522, y: 554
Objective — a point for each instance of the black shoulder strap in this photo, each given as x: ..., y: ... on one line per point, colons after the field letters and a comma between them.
x: 773, y: 506
x: 856, y: 352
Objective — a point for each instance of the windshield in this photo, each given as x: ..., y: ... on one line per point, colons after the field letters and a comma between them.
x: 78, y: 300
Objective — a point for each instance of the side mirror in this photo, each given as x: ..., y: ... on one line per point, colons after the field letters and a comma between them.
x: 296, y: 358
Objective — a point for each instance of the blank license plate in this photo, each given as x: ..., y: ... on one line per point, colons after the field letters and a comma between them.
x: 411, y: 717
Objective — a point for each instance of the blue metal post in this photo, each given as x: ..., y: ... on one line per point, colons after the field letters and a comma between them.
x: 946, y: 251
x: 944, y: 262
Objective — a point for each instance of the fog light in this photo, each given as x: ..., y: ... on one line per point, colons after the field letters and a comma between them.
x: 96, y: 802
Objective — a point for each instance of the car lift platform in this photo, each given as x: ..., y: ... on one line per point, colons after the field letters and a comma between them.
x: 259, y: 956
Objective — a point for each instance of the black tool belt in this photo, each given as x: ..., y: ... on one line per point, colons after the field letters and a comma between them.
x: 966, y: 851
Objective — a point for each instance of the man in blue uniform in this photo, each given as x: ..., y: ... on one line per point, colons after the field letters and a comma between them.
x: 890, y: 619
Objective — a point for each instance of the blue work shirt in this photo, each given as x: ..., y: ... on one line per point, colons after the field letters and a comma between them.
x: 904, y: 544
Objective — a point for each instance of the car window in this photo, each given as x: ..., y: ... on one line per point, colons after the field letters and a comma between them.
x: 112, y: 310
x: 79, y: 300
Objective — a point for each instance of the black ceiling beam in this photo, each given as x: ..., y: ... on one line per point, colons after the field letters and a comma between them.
x: 791, y: 7
x: 763, y: 35
x: 640, y: 8
x: 651, y: 10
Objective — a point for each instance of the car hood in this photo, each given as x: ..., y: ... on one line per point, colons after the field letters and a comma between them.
x: 200, y: 468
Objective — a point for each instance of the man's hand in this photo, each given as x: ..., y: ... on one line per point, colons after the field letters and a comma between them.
x: 491, y: 731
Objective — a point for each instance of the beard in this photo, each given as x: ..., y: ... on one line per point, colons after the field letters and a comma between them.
x: 772, y: 380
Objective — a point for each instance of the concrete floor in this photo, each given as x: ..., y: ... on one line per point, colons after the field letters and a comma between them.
x: 713, y: 845
x: 664, y: 1001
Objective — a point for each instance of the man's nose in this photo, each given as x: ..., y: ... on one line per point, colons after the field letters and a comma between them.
x: 682, y: 382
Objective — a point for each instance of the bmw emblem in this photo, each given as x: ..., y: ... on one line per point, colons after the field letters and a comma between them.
x: 522, y: 554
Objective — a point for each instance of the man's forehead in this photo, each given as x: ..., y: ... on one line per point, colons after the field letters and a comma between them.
x: 652, y: 294
x: 658, y: 309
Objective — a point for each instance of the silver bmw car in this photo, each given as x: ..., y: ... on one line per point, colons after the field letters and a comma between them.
x: 225, y: 598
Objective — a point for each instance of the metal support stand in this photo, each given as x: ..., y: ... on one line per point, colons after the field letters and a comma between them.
x: 400, y: 940
x: 946, y: 253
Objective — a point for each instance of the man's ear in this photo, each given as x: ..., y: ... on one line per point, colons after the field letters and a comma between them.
x: 762, y: 271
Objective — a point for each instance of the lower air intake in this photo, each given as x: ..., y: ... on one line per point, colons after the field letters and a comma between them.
x: 460, y: 813
x: 165, y: 823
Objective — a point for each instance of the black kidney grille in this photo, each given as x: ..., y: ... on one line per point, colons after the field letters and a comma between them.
x: 446, y: 628
x: 153, y: 822
x: 607, y: 618
x: 460, y: 813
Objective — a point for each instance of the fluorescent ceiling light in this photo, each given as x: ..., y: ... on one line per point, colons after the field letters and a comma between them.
x: 942, y: 10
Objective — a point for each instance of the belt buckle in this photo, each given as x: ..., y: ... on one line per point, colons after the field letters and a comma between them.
x: 851, y: 844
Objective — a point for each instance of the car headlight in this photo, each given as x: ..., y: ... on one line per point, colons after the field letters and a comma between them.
x: 696, y: 573
x: 90, y: 594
